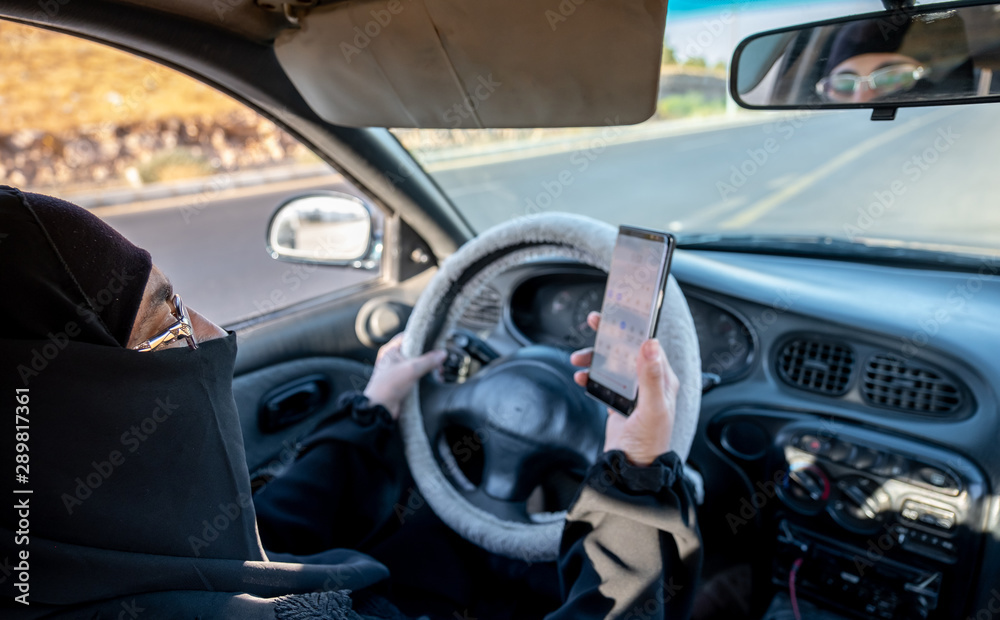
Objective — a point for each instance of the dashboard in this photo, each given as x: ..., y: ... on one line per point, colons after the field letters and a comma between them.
x: 852, y: 435
x: 552, y: 309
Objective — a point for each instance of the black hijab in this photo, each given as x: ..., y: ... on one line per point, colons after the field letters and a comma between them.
x: 100, y: 294
x: 136, y: 491
x: 938, y: 41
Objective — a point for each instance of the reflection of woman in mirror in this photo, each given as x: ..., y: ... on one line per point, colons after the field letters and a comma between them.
x: 874, y: 60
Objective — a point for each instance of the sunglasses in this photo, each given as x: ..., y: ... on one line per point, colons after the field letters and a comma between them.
x: 181, y: 329
x: 884, y: 81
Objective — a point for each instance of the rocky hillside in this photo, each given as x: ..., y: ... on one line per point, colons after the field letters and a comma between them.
x: 76, y: 114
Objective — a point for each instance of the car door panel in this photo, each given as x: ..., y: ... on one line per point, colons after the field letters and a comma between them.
x: 329, y: 339
x: 269, y: 451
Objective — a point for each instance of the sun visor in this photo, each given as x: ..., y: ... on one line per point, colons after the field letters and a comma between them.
x: 478, y: 63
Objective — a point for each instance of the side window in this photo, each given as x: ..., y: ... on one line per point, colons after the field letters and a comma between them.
x: 183, y: 171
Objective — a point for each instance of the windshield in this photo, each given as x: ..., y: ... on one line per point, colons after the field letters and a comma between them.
x: 703, y: 166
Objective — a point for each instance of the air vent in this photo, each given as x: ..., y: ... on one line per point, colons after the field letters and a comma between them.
x: 483, y: 310
x: 895, y: 383
x: 816, y: 366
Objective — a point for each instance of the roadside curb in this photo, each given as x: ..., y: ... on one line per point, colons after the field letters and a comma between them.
x: 435, y: 161
x: 623, y: 134
x: 208, y: 186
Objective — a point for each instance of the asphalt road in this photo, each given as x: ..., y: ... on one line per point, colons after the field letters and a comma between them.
x: 927, y: 176
x: 796, y: 175
x: 214, y: 252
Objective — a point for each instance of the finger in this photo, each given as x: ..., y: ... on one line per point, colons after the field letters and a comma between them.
x: 582, y: 357
x: 594, y: 319
x: 427, y: 362
x: 389, y: 357
x: 394, y: 344
x: 580, y: 377
x: 657, y: 383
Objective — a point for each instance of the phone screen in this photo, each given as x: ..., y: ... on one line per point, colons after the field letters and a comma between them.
x: 630, y: 305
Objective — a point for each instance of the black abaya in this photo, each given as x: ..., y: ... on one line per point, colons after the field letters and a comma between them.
x: 138, y: 500
x: 630, y: 550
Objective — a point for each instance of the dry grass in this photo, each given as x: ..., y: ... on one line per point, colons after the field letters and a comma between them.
x: 53, y: 82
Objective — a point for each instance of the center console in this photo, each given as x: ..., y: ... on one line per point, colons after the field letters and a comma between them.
x: 863, y: 523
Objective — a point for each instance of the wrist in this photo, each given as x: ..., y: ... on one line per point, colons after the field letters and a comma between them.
x: 377, y: 400
x: 636, y: 456
x: 366, y: 411
x: 616, y: 468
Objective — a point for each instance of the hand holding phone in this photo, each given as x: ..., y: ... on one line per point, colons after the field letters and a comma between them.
x: 645, y: 434
x: 630, y: 311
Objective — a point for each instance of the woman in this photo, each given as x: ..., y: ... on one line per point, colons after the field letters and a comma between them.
x: 136, y: 500
x: 879, y: 59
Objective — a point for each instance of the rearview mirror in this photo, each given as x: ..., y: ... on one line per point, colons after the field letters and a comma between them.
x: 326, y: 228
x: 929, y: 55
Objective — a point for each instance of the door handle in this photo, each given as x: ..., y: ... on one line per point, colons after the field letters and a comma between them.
x: 293, y: 402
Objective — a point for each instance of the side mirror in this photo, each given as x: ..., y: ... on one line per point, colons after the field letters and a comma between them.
x: 327, y: 228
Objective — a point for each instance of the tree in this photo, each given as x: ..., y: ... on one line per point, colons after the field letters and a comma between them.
x: 669, y: 57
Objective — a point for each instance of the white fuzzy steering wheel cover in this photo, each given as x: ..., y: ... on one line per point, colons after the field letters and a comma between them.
x: 545, y: 236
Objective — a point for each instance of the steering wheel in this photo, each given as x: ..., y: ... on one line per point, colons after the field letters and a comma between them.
x: 521, y: 416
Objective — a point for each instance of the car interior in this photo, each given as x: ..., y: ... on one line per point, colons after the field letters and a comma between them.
x: 846, y: 443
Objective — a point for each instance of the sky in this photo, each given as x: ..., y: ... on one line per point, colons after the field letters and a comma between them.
x: 711, y: 29
x: 693, y: 7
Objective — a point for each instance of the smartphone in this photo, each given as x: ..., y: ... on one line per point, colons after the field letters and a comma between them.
x: 630, y: 310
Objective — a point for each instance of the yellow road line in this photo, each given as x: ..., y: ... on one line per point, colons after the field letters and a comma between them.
x: 764, y: 206
x: 705, y: 216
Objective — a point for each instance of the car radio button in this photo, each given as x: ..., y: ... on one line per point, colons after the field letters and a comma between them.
x: 938, y: 479
x: 925, y: 514
x: 863, y: 458
x: 890, y: 466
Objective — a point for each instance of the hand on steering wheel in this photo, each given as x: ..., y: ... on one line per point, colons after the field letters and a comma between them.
x: 644, y: 435
x: 394, y: 375
x: 527, y: 423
